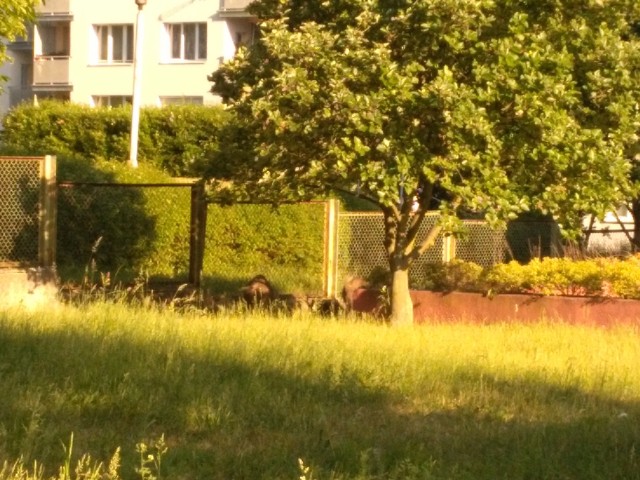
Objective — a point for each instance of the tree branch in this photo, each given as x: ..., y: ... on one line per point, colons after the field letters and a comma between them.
x: 365, y: 196
x: 416, y: 221
x: 623, y: 228
x: 431, y: 237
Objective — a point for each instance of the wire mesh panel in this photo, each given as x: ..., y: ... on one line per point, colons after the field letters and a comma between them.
x: 19, y: 210
x: 124, y: 230
x: 361, y: 249
x: 481, y: 244
x: 284, y: 243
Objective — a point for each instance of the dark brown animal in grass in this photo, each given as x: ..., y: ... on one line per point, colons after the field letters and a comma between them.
x: 351, y: 289
x: 258, y: 292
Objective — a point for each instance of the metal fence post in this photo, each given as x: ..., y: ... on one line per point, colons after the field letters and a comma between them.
x: 330, y: 267
x: 47, y: 215
x: 197, y: 234
x: 448, y: 248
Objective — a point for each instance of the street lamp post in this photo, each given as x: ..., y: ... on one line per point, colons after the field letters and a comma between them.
x: 137, y: 78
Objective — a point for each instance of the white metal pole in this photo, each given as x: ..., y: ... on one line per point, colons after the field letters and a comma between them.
x: 137, y: 87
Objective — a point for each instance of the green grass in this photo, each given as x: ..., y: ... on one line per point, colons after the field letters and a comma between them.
x: 241, y: 396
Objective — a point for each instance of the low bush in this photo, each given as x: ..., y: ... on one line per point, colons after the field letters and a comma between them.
x: 622, y: 278
x: 455, y: 275
x: 600, y: 277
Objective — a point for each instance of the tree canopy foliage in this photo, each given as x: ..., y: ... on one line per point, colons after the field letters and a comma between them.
x: 14, y: 17
x: 495, y: 106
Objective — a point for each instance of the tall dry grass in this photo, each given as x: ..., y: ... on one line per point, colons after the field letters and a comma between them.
x: 246, y: 395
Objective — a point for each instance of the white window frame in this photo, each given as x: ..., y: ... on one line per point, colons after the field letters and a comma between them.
x: 177, y: 42
x: 107, y: 41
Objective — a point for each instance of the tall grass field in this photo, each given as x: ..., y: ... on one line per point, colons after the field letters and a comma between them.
x: 239, y: 395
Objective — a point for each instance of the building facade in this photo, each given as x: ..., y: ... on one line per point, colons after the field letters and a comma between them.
x: 83, y: 51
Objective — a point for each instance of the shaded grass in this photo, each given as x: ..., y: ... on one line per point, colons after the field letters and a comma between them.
x: 242, y: 396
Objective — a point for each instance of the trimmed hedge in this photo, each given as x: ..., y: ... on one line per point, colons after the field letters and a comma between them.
x: 598, y: 277
x: 144, y: 232
x: 286, y: 244
x: 124, y: 231
x: 181, y: 140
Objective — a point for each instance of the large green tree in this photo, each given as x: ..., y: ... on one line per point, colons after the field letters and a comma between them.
x: 503, y: 106
x: 15, y: 15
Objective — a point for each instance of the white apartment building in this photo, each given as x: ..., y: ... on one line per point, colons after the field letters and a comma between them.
x: 83, y: 51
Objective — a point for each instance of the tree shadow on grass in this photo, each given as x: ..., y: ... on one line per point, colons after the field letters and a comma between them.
x: 229, y: 418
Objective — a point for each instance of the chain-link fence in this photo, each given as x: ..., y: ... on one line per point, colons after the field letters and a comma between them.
x: 361, y: 250
x: 124, y: 231
x: 27, y: 210
x: 131, y: 231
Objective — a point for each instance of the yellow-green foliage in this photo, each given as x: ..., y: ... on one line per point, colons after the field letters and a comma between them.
x: 180, y: 139
x: 622, y: 277
x: 285, y: 244
x: 549, y: 276
x: 146, y: 231
x: 124, y: 230
x: 455, y: 275
x: 606, y: 277
x: 505, y: 277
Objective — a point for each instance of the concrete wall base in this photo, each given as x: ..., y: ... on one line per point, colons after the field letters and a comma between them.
x: 29, y: 287
x: 436, y: 307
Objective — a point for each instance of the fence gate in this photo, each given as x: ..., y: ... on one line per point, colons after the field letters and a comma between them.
x: 128, y: 230
x: 27, y: 211
x: 27, y: 231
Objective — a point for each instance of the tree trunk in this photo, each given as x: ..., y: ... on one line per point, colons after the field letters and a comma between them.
x: 635, y: 213
x: 401, y: 304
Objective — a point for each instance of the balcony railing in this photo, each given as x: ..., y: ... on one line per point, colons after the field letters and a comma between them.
x: 54, y: 7
x: 51, y: 70
x: 234, y: 4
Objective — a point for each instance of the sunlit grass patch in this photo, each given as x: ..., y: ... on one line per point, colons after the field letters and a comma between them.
x: 245, y: 395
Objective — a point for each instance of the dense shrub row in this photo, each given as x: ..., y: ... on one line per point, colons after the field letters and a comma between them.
x: 121, y: 230
x: 603, y: 277
x: 129, y: 232
x: 178, y: 139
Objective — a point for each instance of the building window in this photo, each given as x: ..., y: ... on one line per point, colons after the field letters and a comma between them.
x: 58, y: 96
x: 111, y: 100
x: 114, y: 43
x: 186, y: 41
x: 181, y: 100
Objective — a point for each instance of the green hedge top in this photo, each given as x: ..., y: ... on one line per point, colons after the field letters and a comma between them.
x: 178, y: 139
